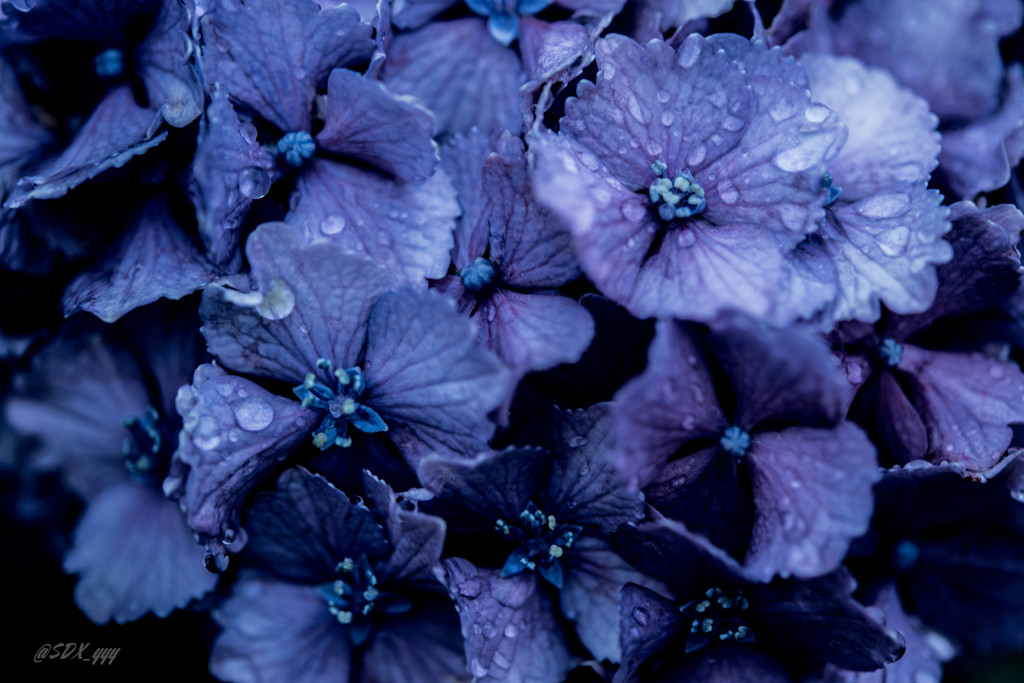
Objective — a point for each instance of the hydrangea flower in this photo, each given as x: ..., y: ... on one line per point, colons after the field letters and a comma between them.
x: 722, y: 624
x: 920, y: 397
x: 337, y: 592
x: 686, y: 180
x: 943, y: 557
x: 100, y: 401
x: 363, y: 360
x: 366, y: 179
x: 134, y: 73
x: 510, y: 255
x: 738, y: 433
x: 535, y: 520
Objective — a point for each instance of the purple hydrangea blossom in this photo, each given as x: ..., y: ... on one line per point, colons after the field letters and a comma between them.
x: 738, y: 433
x: 554, y: 511
x: 510, y: 256
x: 919, y: 400
x: 100, y: 402
x: 685, y: 180
x: 722, y: 624
x: 337, y: 592
x: 363, y: 360
x: 140, y: 59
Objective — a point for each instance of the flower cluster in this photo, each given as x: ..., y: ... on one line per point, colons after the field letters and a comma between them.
x: 413, y: 341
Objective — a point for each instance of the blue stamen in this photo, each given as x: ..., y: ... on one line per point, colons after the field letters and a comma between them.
x: 678, y: 197
x: 716, y: 617
x: 890, y: 351
x: 735, y: 441
x: 478, y: 275
x: 833, y: 191
x: 503, y: 16
x: 354, y: 595
x: 109, y: 63
x: 297, y: 147
x: 541, y: 542
x: 341, y: 405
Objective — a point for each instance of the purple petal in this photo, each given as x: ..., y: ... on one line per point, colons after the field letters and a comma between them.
x: 314, y: 302
x: 884, y: 410
x: 273, y: 56
x: 235, y: 432
x: 428, y: 380
x: 534, y: 331
x: 593, y: 578
x: 583, y: 485
x: 365, y: 121
x: 985, y: 268
x: 885, y: 248
x: 153, y: 259
x: 22, y: 138
x: 967, y: 402
x: 406, y: 228
x: 486, y: 488
x: 511, y: 630
x: 135, y: 554
x: 529, y: 246
x: 423, y: 646
x: 463, y: 159
x: 639, y: 88
x: 117, y: 131
x: 948, y: 54
x: 303, y: 528
x: 892, y: 133
x: 794, y: 472
x: 649, y: 621
x: 671, y: 403
x: 409, y: 14
x: 278, y: 631
x: 425, y: 63
x: 786, y: 376
x: 166, y: 65
x: 230, y: 170
x: 553, y: 51
x: 978, y: 157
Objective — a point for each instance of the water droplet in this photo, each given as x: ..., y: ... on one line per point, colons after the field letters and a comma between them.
x: 697, y: 154
x: 666, y: 118
x: 689, y: 422
x: 732, y: 123
x: 816, y: 113
x: 501, y: 660
x: 809, y: 152
x: 728, y: 192
x: 278, y: 303
x: 234, y: 435
x: 511, y: 631
x: 608, y: 70
x: 663, y: 96
x: 577, y: 441
x: 247, y: 131
x: 253, y: 414
x: 633, y: 211
x: 333, y: 225
x: 477, y: 668
x: 685, y: 238
x: 225, y: 388
x: 207, y: 434
x: 641, y: 616
x: 253, y: 182
x: 690, y: 51
x: 782, y: 110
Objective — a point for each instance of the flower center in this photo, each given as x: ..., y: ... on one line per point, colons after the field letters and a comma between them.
x: 735, y: 441
x: 678, y: 197
x: 890, y: 352
x: 354, y: 595
x: 833, y: 191
x: 146, y: 452
x: 503, y: 15
x: 716, y: 617
x: 340, y: 404
x: 109, y: 64
x: 478, y: 275
x: 541, y: 541
x: 297, y: 147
